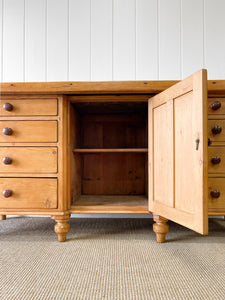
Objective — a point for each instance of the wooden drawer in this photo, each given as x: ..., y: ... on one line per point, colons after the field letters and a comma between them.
x: 28, y: 159
x: 216, y: 184
x: 218, y: 104
x: 216, y: 160
x: 218, y: 126
x: 28, y: 193
x: 28, y: 107
x: 29, y: 131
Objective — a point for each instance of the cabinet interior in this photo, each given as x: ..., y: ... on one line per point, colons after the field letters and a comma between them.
x: 109, y: 147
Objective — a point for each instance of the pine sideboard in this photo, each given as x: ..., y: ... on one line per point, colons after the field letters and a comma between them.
x: 137, y: 147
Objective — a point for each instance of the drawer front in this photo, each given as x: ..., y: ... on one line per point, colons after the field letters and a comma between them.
x: 216, y: 160
x: 216, y: 106
x: 28, y: 131
x: 216, y: 195
x: 28, y: 193
x: 28, y: 159
x: 28, y: 107
x: 216, y: 130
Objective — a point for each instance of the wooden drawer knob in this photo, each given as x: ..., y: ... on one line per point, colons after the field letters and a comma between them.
x: 215, y: 160
x: 7, y: 193
x: 7, y: 131
x: 215, y: 194
x: 8, y: 106
x: 216, y: 129
x: 216, y: 105
x: 7, y: 160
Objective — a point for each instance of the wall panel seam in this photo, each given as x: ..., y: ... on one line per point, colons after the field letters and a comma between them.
x: 68, y: 39
x: 203, y: 33
x: 112, y: 40
x: 46, y: 39
x: 135, y: 41
x: 157, y: 29
x: 90, y: 76
x: 158, y: 37
x: 181, y: 41
x: 2, y: 43
x: 24, y: 40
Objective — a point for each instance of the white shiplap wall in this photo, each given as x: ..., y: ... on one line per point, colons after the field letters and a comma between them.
x: 57, y: 40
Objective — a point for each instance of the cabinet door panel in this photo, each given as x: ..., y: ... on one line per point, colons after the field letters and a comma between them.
x: 164, y: 154
x: 178, y: 153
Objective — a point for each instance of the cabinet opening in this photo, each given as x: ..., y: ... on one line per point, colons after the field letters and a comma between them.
x: 109, y: 157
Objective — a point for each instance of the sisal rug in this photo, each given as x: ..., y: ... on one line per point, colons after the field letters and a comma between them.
x: 110, y: 259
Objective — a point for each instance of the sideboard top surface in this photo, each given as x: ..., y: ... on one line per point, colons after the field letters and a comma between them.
x: 216, y: 87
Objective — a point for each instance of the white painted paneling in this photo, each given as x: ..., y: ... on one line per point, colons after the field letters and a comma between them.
x: 191, y: 36
x: 57, y: 40
x: 169, y: 39
x: 146, y: 39
x: 101, y: 40
x: 79, y: 40
x: 35, y: 40
x: 13, y: 40
x: 124, y: 40
x: 215, y: 38
x: 1, y: 27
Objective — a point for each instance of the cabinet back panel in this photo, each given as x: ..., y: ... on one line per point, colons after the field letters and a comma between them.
x: 113, y: 131
x: 114, y: 174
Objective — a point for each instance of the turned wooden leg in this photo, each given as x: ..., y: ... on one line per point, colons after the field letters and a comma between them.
x: 62, y: 228
x: 2, y: 217
x: 160, y: 228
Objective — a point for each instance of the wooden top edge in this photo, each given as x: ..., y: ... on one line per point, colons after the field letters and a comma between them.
x: 86, y: 87
x: 99, y: 87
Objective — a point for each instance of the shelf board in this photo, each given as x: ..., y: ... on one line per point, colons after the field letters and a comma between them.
x: 110, y: 204
x: 130, y: 150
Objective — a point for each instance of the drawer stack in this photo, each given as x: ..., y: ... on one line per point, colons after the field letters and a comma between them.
x: 216, y: 156
x: 28, y: 153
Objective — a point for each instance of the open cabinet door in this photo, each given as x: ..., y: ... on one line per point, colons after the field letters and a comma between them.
x: 178, y: 161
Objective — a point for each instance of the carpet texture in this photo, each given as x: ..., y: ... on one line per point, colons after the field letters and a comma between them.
x: 110, y: 259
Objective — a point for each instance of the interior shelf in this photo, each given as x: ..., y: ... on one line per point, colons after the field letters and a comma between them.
x: 111, y: 204
x: 134, y: 150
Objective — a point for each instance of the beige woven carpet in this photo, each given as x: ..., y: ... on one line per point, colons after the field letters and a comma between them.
x: 110, y: 259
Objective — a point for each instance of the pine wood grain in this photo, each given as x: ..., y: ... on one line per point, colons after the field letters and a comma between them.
x: 220, y: 137
x: 217, y: 183
x: 29, y: 193
x: 29, y: 131
x: 113, y: 173
x: 221, y: 110
x: 29, y: 160
x: 189, y: 115
x: 29, y: 107
x: 215, y: 87
x: 220, y: 167
x: 111, y: 204
x: 114, y: 150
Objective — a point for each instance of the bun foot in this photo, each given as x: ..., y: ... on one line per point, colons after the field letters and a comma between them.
x: 61, y: 236
x: 160, y: 228
x: 62, y: 228
x: 2, y: 217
